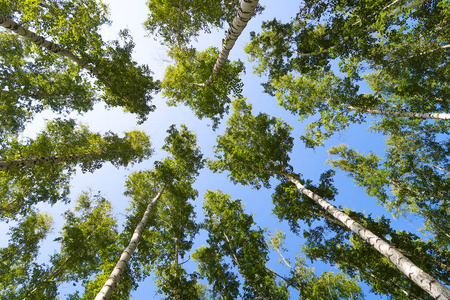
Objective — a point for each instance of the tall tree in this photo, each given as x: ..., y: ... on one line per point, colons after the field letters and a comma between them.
x: 113, y: 279
x: 412, y: 179
x: 195, y: 80
x: 404, y: 48
x: 172, y: 235
x: 39, y: 169
x: 178, y: 22
x: 67, y: 35
x: 255, y: 148
x: 332, y: 242
x: 172, y: 174
x: 230, y: 234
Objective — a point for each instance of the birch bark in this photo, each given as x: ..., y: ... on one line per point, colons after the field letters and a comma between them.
x: 113, y: 279
x: 422, y: 279
x: 387, y: 112
x: 42, y: 42
x: 26, y: 162
x: 408, y: 114
x: 244, y: 14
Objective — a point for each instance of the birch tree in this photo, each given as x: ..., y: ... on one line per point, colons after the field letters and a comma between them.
x: 172, y: 174
x: 231, y: 234
x: 178, y: 22
x: 202, y: 81
x: 377, y: 44
x: 409, y: 181
x: 39, y: 169
x: 114, y: 278
x: 172, y: 237
x: 331, y: 241
x: 66, y: 34
x: 255, y: 148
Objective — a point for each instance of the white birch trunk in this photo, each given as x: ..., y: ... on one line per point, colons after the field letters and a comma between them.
x: 42, y: 42
x: 244, y: 14
x: 387, y: 112
x: 113, y: 279
x: 422, y: 279
x: 26, y: 162
x: 441, y: 116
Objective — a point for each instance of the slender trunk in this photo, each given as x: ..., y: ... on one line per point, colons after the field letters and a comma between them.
x: 27, y: 162
x: 288, y: 282
x: 441, y: 116
x: 42, y: 42
x: 388, y: 283
x: 234, y: 257
x: 113, y: 279
x: 233, y: 251
x: 422, y: 279
x: 2, y: 259
x: 244, y: 14
x: 384, y: 112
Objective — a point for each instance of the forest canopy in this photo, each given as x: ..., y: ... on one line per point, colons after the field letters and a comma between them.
x: 270, y: 152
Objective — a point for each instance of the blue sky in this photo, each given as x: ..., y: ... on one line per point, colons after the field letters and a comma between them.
x: 311, y: 163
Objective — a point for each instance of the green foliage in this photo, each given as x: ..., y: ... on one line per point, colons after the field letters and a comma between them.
x: 86, y: 240
x: 230, y: 234
x: 253, y: 148
x: 124, y: 82
x: 412, y: 178
x: 336, y: 245
x: 31, y: 84
x: 185, y: 82
x: 178, y: 22
x: 49, y: 80
x: 211, y: 265
x: 49, y: 182
x: 17, y: 259
x: 325, y: 286
x: 89, y: 231
x: 406, y: 63
x: 336, y: 100
x: 185, y: 159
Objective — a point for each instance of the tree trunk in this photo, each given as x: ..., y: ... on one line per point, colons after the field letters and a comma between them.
x: 386, y: 112
x: 244, y: 14
x: 422, y: 279
x: 442, y: 116
x: 26, y: 162
x: 42, y: 42
x: 113, y: 279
